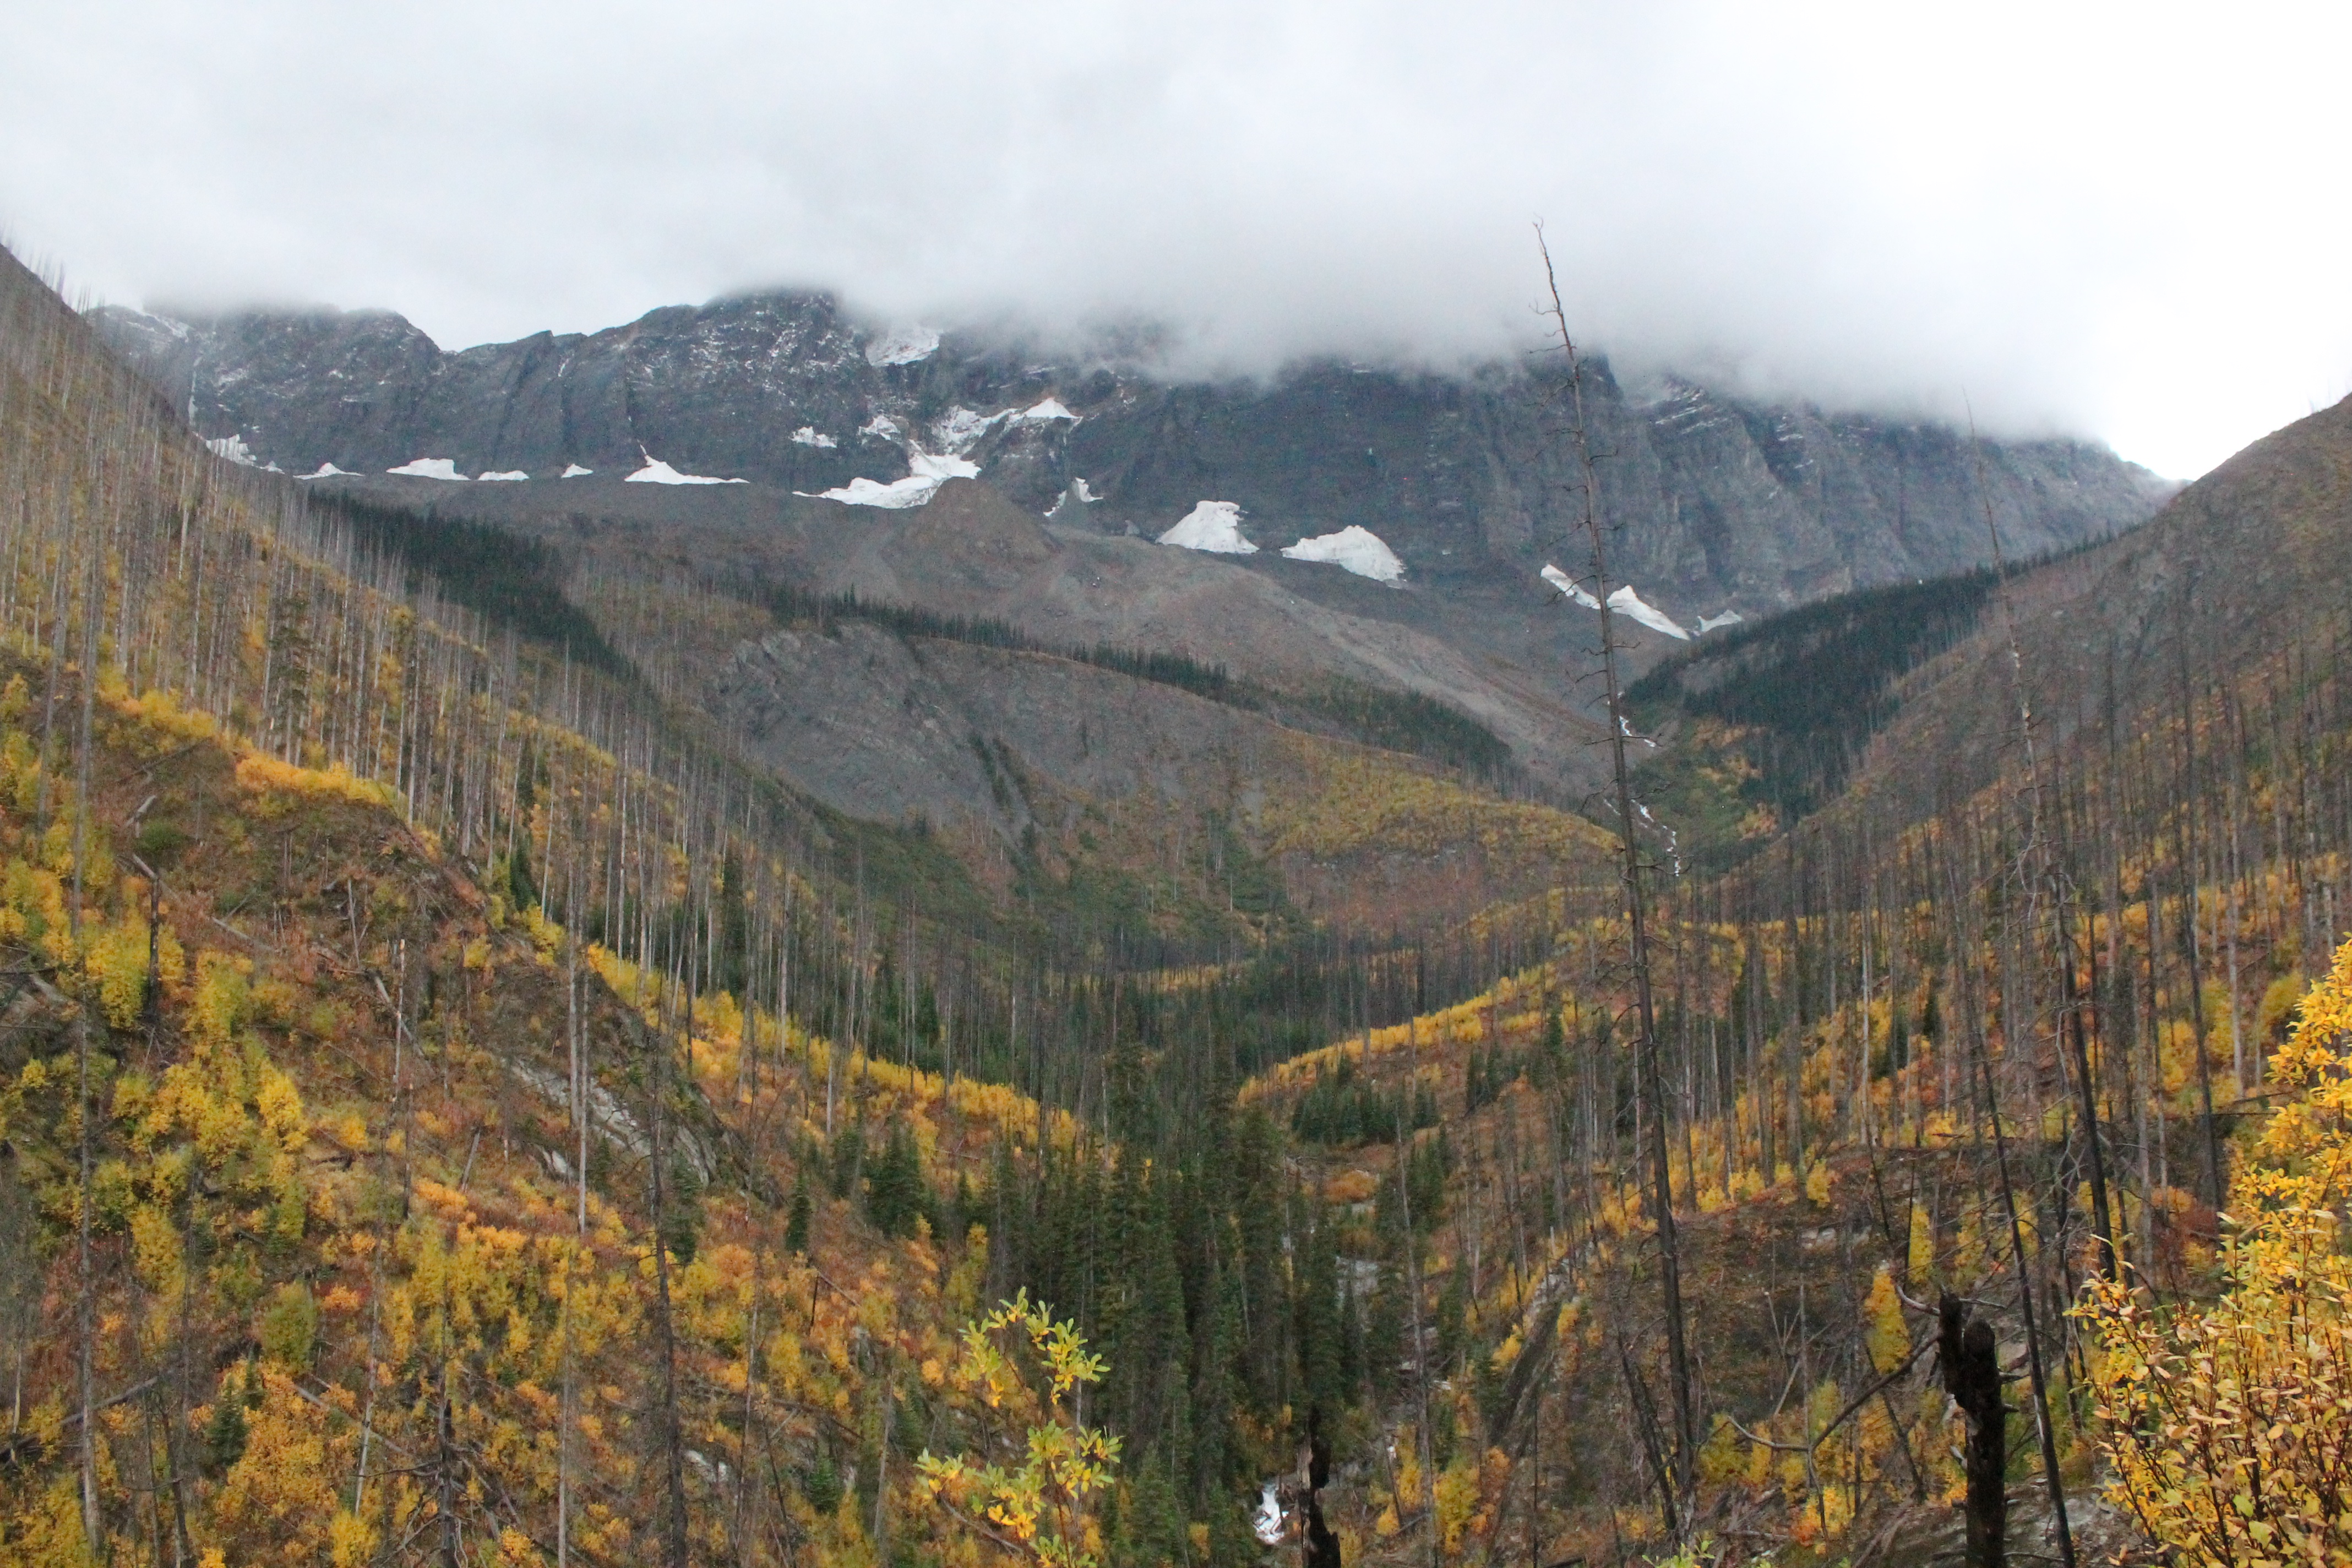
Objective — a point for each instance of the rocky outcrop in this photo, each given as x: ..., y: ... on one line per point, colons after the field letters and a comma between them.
x: 1719, y: 503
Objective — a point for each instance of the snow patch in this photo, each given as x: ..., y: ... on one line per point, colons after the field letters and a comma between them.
x: 575, y: 471
x: 882, y: 427
x: 1213, y: 526
x: 896, y: 496
x: 963, y: 427
x: 1729, y: 618
x: 508, y: 475
x: 942, y: 468
x: 1673, y: 839
x: 1039, y: 413
x: 1354, y: 549
x: 903, y: 345
x: 808, y: 435
x: 1078, y: 488
x: 926, y: 473
x: 1569, y: 586
x: 327, y: 471
x: 1629, y: 603
x: 656, y: 472
x: 428, y: 469
x: 234, y: 449
x: 1624, y: 601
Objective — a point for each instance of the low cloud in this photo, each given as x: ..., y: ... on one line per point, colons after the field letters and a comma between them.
x: 2113, y: 221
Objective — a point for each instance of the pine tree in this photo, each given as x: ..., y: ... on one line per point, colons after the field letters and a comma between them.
x: 796, y: 1229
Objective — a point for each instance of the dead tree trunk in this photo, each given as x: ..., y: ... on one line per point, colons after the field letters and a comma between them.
x: 1684, y: 1445
x: 671, y: 1434
x: 1322, y: 1546
x: 1967, y: 1355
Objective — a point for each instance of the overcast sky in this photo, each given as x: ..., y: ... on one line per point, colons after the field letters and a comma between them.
x: 2128, y: 221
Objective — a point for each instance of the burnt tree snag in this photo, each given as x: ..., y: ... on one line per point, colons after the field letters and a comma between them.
x: 1967, y: 1355
x: 1322, y: 1546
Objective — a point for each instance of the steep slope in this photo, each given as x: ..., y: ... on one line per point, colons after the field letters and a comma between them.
x: 1983, y: 1028
x: 1048, y: 758
x: 2241, y: 574
x: 1909, y: 692
x: 426, y: 651
x: 450, y: 1109
x: 357, y: 1283
x: 1724, y: 503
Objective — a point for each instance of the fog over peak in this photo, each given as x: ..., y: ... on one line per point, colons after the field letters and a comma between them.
x: 2117, y: 221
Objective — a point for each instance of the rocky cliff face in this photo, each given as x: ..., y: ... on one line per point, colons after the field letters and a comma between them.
x: 1719, y: 503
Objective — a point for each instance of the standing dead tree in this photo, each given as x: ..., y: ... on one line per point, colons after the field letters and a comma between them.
x: 1968, y: 1359
x: 1645, y: 1043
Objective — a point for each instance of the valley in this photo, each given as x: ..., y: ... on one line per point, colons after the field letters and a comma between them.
x: 542, y: 1008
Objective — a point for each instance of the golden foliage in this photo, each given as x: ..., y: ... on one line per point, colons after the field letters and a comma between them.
x: 1887, y: 1337
x: 1360, y: 799
x: 276, y: 1505
x: 2228, y: 1424
x: 1041, y: 1510
x: 267, y: 776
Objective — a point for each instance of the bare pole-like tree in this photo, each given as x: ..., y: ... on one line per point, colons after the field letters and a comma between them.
x: 2038, y: 877
x: 1636, y: 914
x: 86, y: 1328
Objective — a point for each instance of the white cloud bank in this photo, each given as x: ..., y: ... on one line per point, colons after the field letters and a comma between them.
x: 2109, y: 218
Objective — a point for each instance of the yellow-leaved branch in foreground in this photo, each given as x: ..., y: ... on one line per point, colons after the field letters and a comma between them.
x: 2228, y: 1422
x: 1020, y: 1370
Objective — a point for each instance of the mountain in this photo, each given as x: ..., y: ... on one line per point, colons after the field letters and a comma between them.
x: 528, y: 1037
x: 2237, y: 583
x: 1049, y: 709
x: 1724, y: 504
x: 1900, y: 704
x: 434, y: 1069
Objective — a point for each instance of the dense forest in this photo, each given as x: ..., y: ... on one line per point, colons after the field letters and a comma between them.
x: 455, y: 1112
x: 1786, y: 703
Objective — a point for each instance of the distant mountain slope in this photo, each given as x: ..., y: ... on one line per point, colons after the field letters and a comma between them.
x: 1054, y: 705
x: 2244, y: 569
x: 1759, y: 727
x: 1724, y: 503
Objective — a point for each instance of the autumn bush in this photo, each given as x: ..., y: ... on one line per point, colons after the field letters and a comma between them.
x: 1022, y: 1370
x: 2229, y: 1422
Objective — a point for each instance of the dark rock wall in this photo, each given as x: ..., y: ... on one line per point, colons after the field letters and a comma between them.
x: 1715, y: 502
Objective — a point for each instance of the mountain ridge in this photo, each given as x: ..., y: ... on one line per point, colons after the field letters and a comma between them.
x: 1722, y: 501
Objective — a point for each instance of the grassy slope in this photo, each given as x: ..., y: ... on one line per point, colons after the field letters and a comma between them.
x: 1276, y: 826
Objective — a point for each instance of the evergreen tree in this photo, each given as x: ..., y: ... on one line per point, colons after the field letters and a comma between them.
x: 1322, y: 1360
x: 848, y: 1158
x: 796, y: 1229
x: 895, y: 1191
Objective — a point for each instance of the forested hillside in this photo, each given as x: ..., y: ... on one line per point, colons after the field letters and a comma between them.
x: 1764, y: 724
x: 461, y: 1105
x: 456, y: 1111
x: 1986, y: 1032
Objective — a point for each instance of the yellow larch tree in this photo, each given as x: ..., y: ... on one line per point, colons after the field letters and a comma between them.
x: 2229, y: 1422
